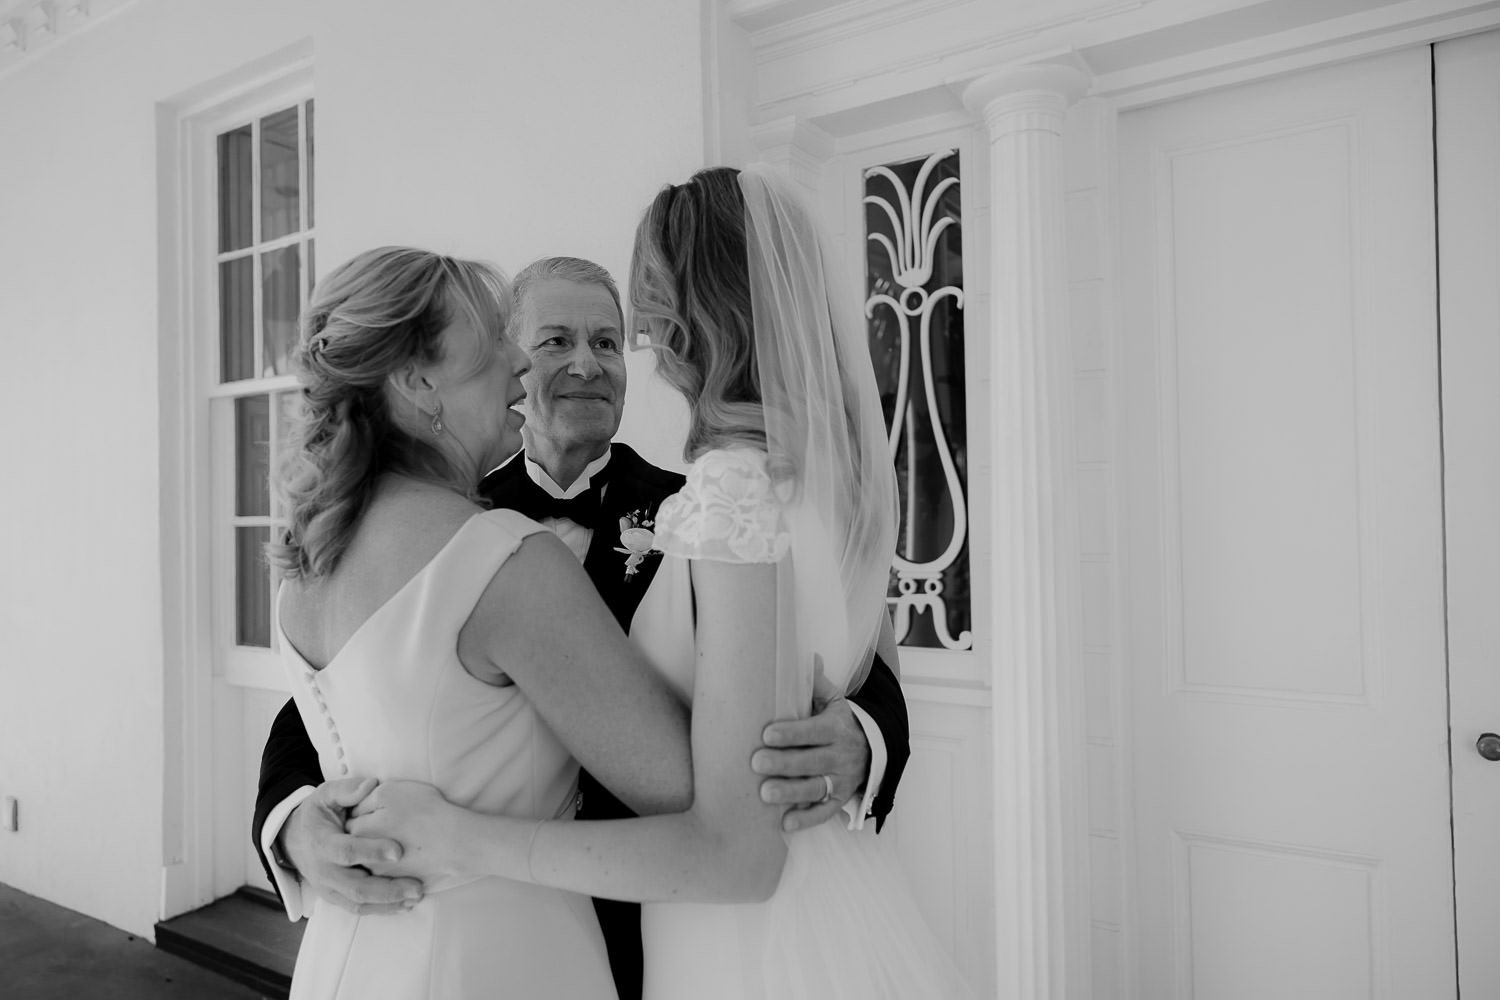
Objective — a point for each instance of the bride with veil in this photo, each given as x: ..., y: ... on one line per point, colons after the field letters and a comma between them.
x: 770, y: 598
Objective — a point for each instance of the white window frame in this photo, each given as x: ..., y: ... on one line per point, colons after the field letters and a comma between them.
x: 204, y: 788
x: 931, y: 665
x: 247, y: 666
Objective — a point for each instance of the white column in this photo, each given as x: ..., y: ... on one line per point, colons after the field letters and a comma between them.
x: 1041, y: 870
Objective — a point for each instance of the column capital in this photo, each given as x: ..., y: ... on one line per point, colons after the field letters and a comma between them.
x: 1024, y: 98
x: 795, y: 145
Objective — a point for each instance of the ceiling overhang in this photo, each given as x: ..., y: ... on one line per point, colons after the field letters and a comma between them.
x: 847, y: 65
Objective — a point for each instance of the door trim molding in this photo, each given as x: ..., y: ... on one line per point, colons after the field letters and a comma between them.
x: 185, y: 127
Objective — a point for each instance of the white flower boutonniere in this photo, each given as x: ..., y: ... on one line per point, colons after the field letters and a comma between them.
x: 637, y: 541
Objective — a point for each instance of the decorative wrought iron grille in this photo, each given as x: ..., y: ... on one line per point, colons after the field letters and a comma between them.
x: 914, y: 304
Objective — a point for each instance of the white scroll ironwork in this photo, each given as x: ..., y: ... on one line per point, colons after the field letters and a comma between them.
x: 912, y: 250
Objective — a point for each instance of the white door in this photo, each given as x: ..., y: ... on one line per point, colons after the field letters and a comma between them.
x: 1281, y: 480
x: 1468, y: 146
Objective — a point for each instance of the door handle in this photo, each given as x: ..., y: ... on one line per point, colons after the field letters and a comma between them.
x: 1488, y: 746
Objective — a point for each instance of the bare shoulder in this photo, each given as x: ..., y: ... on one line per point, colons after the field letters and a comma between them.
x: 404, y: 527
x: 538, y: 599
x: 540, y: 586
x: 540, y: 573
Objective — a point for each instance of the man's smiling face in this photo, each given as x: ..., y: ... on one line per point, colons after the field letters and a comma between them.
x: 575, y: 391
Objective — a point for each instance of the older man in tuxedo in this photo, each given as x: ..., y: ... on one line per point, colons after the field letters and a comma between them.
x: 587, y: 488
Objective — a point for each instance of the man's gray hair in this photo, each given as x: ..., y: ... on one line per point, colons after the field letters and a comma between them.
x: 584, y: 272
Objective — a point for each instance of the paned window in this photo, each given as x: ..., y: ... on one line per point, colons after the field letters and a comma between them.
x: 264, y: 272
x: 914, y: 304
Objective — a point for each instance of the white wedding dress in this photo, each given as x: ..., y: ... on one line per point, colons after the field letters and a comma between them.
x: 842, y: 922
x: 395, y: 702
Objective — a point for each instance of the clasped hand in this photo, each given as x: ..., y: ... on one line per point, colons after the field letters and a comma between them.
x: 413, y: 814
x: 337, y: 865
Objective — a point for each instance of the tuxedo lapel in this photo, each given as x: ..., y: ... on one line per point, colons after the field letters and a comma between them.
x: 634, y: 487
x: 604, y: 565
x: 501, y: 485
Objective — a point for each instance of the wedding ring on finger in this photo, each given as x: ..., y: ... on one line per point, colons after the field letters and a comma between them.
x: 827, y: 789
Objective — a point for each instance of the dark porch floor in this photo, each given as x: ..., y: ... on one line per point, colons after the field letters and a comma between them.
x: 48, y: 952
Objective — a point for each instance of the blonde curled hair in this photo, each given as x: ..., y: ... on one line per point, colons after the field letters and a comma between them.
x: 690, y: 295
x: 370, y: 317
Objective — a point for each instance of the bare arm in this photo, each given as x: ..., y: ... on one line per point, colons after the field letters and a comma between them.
x: 541, y: 622
x: 726, y: 847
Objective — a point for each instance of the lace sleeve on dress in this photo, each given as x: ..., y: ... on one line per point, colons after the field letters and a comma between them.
x: 727, y: 512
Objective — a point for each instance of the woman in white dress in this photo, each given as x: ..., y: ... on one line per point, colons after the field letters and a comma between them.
x: 428, y: 639
x: 770, y: 597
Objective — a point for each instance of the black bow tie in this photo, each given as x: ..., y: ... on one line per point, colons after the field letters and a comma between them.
x: 536, y: 503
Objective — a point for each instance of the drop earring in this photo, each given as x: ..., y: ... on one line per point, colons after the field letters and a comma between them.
x: 437, y: 420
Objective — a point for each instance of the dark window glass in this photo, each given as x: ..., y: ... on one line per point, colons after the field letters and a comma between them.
x: 252, y: 587
x: 237, y: 319
x: 235, y: 190
x: 280, y: 202
x: 914, y: 305
x: 252, y: 456
x: 311, y: 160
x: 280, y: 282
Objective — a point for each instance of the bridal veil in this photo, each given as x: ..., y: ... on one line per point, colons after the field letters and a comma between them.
x: 826, y: 439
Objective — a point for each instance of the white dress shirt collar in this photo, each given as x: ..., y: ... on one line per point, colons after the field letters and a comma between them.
x: 541, y: 478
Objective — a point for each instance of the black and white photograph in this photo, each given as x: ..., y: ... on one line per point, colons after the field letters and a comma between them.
x: 750, y: 500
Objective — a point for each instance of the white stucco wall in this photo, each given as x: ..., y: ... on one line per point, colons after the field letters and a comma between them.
x: 502, y: 130
x: 509, y: 131
x: 80, y: 606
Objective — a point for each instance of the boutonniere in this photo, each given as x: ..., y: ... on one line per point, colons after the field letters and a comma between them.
x: 637, y: 541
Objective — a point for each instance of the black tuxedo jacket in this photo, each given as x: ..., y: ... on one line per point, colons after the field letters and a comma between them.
x: 634, y: 486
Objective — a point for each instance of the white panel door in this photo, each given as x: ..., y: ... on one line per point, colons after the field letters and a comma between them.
x: 1287, y: 701
x: 1468, y: 145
